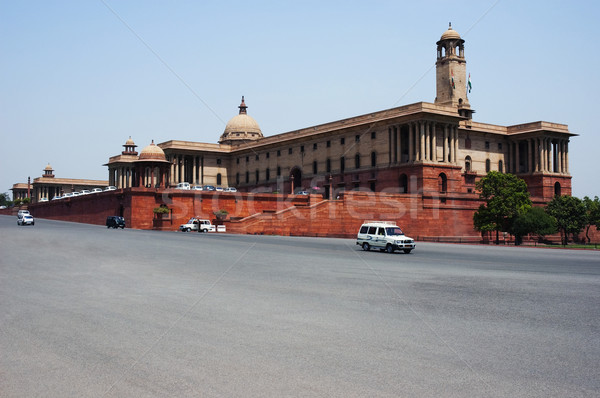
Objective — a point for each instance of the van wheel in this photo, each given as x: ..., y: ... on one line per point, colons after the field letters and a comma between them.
x: 407, y: 251
x: 205, y: 230
x: 389, y: 248
x: 188, y: 230
x: 366, y: 247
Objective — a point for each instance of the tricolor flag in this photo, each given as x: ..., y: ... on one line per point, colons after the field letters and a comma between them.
x: 452, y: 80
x: 469, y: 83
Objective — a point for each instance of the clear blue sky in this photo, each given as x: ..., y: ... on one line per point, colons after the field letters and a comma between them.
x: 79, y: 77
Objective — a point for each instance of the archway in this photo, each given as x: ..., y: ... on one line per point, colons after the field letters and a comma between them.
x: 295, y: 180
x: 403, y: 183
x: 557, y: 190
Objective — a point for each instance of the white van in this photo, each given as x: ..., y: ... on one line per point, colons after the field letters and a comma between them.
x: 383, y: 235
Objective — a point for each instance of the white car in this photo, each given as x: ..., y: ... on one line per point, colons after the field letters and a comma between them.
x: 26, y: 219
x: 85, y: 192
x: 384, y: 235
x: 21, y: 213
x: 184, y: 186
x: 197, y: 188
x: 57, y: 197
x: 230, y: 189
x: 43, y: 199
x: 68, y: 195
x: 96, y: 190
x: 110, y: 188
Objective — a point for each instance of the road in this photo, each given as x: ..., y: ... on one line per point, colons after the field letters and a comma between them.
x: 86, y: 311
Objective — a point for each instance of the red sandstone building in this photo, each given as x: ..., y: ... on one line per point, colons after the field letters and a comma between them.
x: 415, y: 164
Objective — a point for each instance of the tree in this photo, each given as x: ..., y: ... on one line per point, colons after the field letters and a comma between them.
x: 505, y: 197
x: 535, y: 221
x: 5, y: 199
x: 592, y: 210
x: 569, y: 213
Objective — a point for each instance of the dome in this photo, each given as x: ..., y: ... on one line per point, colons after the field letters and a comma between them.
x: 152, y: 152
x: 450, y: 34
x: 48, y: 168
x: 241, y: 128
x: 130, y: 142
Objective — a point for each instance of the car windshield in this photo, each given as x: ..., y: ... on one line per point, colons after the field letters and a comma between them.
x: 391, y: 231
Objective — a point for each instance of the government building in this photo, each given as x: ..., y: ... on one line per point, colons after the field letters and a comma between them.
x: 420, y: 148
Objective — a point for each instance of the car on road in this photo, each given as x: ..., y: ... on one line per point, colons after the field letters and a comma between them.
x: 96, y: 190
x: 26, y: 219
x: 115, y: 222
x: 383, y: 235
x: 85, y: 192
x: 110, y: 188
x: 184, y: 186
x: 197, y: 188
x: 21, y: 213
x: 208, y: 188
x: 230, y: 189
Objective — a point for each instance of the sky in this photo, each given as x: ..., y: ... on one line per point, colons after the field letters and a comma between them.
x: 77, y: 78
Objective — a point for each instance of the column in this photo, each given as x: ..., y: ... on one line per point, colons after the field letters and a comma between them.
x: 182, y: 179
x: 399, y: 146
x: 567, y: 156
x: 421, y: 141
x: 433, y: 143
x: 455, y: 149
x: 410, y: 142
x: 445, y: 144
x: 194, y: 169
x: 427, y: 141
x: 395, y: 143
x: 173, y: 160
x: 390, y: 150
x: 517, y: 158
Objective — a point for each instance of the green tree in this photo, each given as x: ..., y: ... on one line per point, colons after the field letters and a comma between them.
x: 535, y: 221
x: 5, y: 199
x: 505, y: 197
x: 569, y: 213
x: 592, y: 210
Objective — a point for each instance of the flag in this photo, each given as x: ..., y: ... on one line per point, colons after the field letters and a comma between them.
x: 452, y: 80
x: 469, y: 83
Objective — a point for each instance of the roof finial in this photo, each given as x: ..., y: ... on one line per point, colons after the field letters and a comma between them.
x: 243, y: 107
x: 449, y: 25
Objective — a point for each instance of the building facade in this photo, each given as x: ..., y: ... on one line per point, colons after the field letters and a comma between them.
x: 418, y: 148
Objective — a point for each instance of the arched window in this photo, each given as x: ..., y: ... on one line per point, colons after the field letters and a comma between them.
x: 219, y: 179
x: 468, y: 164
x: 373, y: 159
x: 488, y: 166
x: 501, y: 166
x: 357, y: 161
x: 403, y: 183
x: 442, y: 183
x: 557, y: 190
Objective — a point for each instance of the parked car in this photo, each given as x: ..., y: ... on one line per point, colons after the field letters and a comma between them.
x: 85, y: 192
x: 96, y: 190
x: 208, y: 188
x: 302, y: 193
x: 67, y: 195
x: 219, y: 189
x: 197, y: 188
x: 184, y: 186
x: 115, y: 222
x: 110, y: 188
x: 230, y: 189
x: 57, y: 197
x: 25, y: 219
x: 43, y: 199
x: 383, y: 235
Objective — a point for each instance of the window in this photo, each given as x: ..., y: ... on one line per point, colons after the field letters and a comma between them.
x: 315, y: 167
x: 373, y: 159
x: 357, y: 161
x: 372, y: 230
x: 557, y: 190
x: 237, y: 178
x: 247, y: 159
x: 342, y: 164
x: 328, y: 165
x: 278, y: 152
x: 487, y: 166
x: 342, y: 141
x: 372, y: 186
x: 328, y: 144
x: 315, y: 146
x: 278, y: 171
x: 219, y: 179
x: 499, y: 146
x: 487, y: 145
x: 443, y: 183
x: 373, y: 135
x: 268, y: 174
x: 501, y: 166
x: 290, y: 151
x: 256, y: 157
x: 247, y: 177
x: 468, y: 142
x: 357, y: 138
x: 237, y: 161
x: 218, y: 160
x: 302, y: 148
x: 468, y: 164
x: 257, y: 175
x: 267, y: 154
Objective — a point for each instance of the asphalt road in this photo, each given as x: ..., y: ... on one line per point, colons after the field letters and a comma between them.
x: 87, y: 312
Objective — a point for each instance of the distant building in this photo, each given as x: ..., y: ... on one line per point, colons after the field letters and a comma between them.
x: 48, y: 186
x: 418, y: 148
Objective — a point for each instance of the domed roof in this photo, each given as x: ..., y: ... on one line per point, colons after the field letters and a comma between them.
x: 450, y: 34
x: 48, y: 168
x: 241, y: 128
x: 152, y: 152
x: 130, y: 142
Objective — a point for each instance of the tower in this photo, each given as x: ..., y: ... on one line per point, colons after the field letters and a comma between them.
x: 451, y: 73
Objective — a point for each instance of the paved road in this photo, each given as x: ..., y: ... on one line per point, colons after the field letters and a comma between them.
x: 86, y: 311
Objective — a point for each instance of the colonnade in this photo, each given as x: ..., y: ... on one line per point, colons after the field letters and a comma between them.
x: 121, y: 177
x: 47, y: 192
x: 539, y: 155
x: 182, y: 165
x: 418, y: 142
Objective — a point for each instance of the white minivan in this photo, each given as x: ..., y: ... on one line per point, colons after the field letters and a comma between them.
x: 383, y: 235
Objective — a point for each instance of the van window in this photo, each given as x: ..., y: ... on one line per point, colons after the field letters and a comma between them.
x: 381, y: 231
x: 372, y: 230
x: 391, y: 231
x: 364, y: 229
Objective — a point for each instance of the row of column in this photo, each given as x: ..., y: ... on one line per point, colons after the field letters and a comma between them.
x: 422, y: 145
x: 178, y: 169
x: 540, y: 154
x: 47, y: 192
x: 121, y: 177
